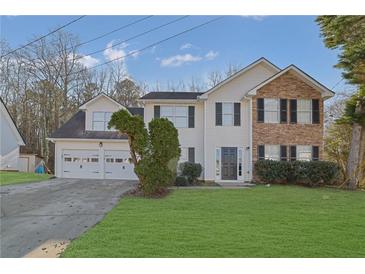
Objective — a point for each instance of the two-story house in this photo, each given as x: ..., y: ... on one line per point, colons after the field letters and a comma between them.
x: 260, y: 112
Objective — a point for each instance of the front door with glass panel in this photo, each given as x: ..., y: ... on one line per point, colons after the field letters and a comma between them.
x: 229, y: 163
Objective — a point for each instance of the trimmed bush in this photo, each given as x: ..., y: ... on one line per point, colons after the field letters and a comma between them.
x: 191, y: 171
x: 312, y: 173
x: 181, y: 181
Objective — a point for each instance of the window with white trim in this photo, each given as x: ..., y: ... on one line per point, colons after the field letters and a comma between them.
x: 304, y: 153
x: 217, y: 162
x: 183, y: 155
x: 272, y: 152
x: 100, y: 120
x: 240, y: 160
x: 227, y: 114
x: 178, y: 115
x: 271, y: 108
x: 304, y: 111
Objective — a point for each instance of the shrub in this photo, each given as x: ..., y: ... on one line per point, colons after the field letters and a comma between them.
x: 154, y: 152
x: 191, y: 171
x: 181, y: 181
x: 312, y: 173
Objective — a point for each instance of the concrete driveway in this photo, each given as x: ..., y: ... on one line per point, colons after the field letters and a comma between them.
x: 58, y: 209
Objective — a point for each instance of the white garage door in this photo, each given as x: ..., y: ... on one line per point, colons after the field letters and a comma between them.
x: 81, y: 164
x: 117, y: 165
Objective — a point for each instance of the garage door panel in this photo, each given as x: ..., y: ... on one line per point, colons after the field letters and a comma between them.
x: 118, y: 166
x: 81, y: 164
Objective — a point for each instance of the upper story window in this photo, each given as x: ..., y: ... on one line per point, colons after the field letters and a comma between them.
x: 178, y: 115
x: 271, y: 110
x: 100, y: 120
x: 227, y: 114
x: 304, y: 111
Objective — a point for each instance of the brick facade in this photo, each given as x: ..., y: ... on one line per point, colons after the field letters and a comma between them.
x: 287, y: 86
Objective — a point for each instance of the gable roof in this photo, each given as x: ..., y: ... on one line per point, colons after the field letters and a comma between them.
x: 102, y: 94
x: 261, y: 60
x: 326, y: 93
x: 171, y: 95
x: 75, y: 128
x: 15, y: 129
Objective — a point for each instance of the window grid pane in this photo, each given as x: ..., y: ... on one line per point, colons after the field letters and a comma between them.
x: 271, y: 107
x: 272, y: 152
x: 178, y: 115
x: 227, y: 114
x: 304, y: 153
x: 304, y: 110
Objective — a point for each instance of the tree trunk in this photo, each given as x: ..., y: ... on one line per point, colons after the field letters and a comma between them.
x: 355, y: 155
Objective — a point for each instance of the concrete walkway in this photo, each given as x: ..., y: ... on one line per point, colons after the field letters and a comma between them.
x: 51, y: 213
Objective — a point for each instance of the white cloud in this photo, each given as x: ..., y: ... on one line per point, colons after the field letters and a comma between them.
x: 186, y: 46
x: 88, y: 61
x: 116, y: 52
x: 178, y: 60
x: 254, y: 17
x: 211, y: 55
x: 134, y: 53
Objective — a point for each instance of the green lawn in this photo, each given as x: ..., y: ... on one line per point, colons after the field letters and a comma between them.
x: 10, y: 178
x: 280, y: 221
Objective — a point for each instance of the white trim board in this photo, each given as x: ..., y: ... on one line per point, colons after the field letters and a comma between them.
x: 237, y: 74
x: 326, y: 93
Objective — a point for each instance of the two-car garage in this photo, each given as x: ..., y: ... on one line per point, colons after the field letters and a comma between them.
x: 94, y: 160
x: 97, y: 164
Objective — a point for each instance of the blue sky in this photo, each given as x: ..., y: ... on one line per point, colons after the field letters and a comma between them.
x: 284, y: 40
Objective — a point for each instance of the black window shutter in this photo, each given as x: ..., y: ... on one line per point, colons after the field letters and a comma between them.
x: 283, y: 111
x: 191, y: 117
x: 191, y: 155
x: 156, y: 110
x: 218, y: 114
x: 315, y: 153
x: 293, y: 111
x: 315, y: 111
x: 293, y: 153
x: 261, y: 152
x: 260, y: 110
x: 237, y: 114
x: 283, y: 153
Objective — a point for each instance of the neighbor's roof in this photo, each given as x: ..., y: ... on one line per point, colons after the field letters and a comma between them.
x: 171, y: 95
x: 14, y: 127
x: 75, y: 128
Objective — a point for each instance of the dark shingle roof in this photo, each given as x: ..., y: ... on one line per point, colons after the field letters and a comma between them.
x: 171, y: 95
x: 75, y: 128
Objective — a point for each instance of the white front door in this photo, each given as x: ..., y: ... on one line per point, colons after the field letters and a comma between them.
x: 81, y: 164
x: 117, y: 165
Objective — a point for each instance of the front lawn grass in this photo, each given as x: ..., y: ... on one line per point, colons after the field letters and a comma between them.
x: 277, y: 221
x: 10, y: 178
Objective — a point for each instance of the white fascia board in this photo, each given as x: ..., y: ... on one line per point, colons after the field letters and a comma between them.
x: 168, y: 101
x: 84, y: 106
x: 204, y: 96
x: 326, y: 93
x: 53, y: 140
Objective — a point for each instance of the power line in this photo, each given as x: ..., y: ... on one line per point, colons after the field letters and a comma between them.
x: 115, y: 30
x: 40, y: 38
x: 337, y: 83
x: 133, y: 37
x: 153, y: 44
x: 103, y: 35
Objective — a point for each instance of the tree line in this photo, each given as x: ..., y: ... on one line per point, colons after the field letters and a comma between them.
x: 44, y: 83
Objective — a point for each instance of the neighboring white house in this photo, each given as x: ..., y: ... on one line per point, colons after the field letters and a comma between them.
x: 215, y: 127
x: 11, y: 140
